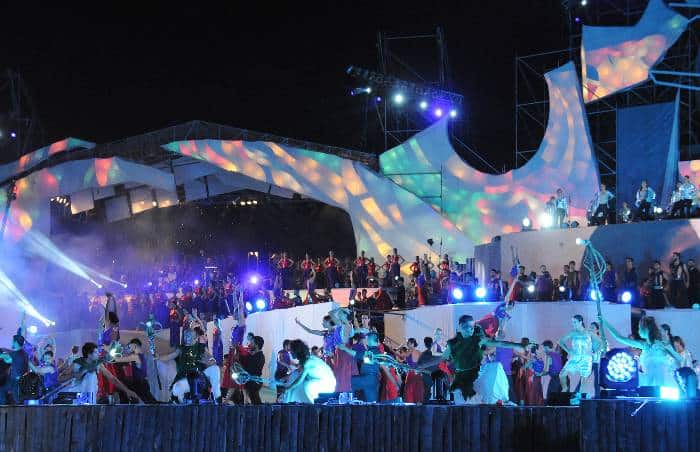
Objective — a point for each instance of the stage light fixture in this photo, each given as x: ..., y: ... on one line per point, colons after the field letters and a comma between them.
x: 196, y: 282
x: 378, y: 99
x: 154, y: 203
x: 531, y: 288
x: 260, y: 304
x: 438, y: 112
x: 669, y: 393
x: 480, y: 293
x: 626, y: 296
x: 255, y: 202
x: 32, y: 329
x: 457, y: 294
x: 423, y: 105
x: 248, y: 306
x: 620, y: 370
x: 453, y: 113
x: 546, y: 220
x: 254, y: 279
x: 150, y: 283
x: 125, y: 286
x: 527, y: 223
x: 13, y: 134
x: 658, y: 210
x: 584, y: 2
x: 399, y: 98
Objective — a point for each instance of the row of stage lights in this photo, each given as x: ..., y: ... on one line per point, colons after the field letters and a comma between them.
x: 458, y: 293
x: 399, y: 99
x: 61, y: 200
x: 253, y: 202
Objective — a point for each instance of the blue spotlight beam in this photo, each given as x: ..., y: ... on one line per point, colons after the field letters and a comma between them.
x: 8, y: 288
x: 41, y: 245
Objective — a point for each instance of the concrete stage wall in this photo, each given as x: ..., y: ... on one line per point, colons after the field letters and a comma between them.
x: 645, y: 242
x: 538, y: 321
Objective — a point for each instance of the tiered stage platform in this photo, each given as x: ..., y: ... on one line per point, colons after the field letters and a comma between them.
x: 596, y: 425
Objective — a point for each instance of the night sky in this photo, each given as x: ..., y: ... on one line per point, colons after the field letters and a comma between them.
x: 107, y: 72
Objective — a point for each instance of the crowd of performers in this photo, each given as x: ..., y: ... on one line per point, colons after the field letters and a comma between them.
x: 475, y: 366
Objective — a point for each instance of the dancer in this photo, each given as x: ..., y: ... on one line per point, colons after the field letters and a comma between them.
x: 396, y: 261
x: 371, y: 371
x: 306, y: 266
x: 644, y: 199
x: 331, y: 264
x: 316, y: 376
x: 361, y: 269
x: 657, y: 356
x: 85, y: 371
x: 578, y: 345
x: 284, y: 266
x: 414, y: 388
x: 465, y: 353
x: 139, y: 370
x: 192, y: 358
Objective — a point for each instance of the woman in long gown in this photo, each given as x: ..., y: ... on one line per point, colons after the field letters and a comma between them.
x: 658, y: 360
x: 492, y: 383
x: 414, y: 388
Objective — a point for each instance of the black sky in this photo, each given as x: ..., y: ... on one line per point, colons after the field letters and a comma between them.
x: 105, y: 72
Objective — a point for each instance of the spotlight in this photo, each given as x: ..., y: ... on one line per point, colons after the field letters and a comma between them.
x: 13, y: 134
x: 658, y: 210
x: 480, y: 292
x: 562, y: 289
x: 619, y: 370
x: 150, y: 283
x: 254, y: 279
x: 124, y: 285
x: 399, y: 98
x: 155, y: 203
x: 368, y: 90
x: 669, y: 393
x: 457, y: 293
x: 626, y: 296
x: 438, y: 112
x: 423, y: 105
x: 584, y: 2
x: 378, y: 99
x: 248, y: 306
x: 243, y: 203
x: 255, y: 202
x: 32, y: 329
x: 546, y: 220
x: 453, y: 113
x: 196, y: 282
x: 531, y: 288
x: 250, y: 203
x: 577, y: 19
x: 526, y: 222
x: 260, y: 304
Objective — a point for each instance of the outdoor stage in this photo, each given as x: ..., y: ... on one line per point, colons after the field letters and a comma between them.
x: 596, y: 425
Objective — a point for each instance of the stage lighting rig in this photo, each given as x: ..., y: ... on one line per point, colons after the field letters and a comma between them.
x: 405, y: 87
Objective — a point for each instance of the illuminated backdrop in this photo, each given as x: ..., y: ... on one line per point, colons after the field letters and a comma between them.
x: 616, y: 58
x: 485, y: 205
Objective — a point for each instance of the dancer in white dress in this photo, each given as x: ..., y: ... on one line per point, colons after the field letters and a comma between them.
x: 658, y: 360
x: 578, y: 345
x: 316, y: 376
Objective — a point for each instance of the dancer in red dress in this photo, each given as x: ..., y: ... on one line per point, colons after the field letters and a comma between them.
x: 284, y: 266
x: 361, y: 269
x: 330, y: 265
x: 415, y: 267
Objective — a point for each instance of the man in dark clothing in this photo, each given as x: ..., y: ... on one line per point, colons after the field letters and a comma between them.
x: 19, y: 363
x: 693, y: 282
x: 253, y: 363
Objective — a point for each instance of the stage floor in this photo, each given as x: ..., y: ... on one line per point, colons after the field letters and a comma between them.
x: 596, y: 425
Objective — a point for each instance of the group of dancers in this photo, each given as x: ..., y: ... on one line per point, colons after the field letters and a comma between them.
x: 477, y: 365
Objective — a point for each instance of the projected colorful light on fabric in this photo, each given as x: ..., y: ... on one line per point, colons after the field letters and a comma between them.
x: 31, y: 209
x: 690, y: 168
x: 616, y: 58
x: 383, y: 214
x: 32, y: 159
x: 485, y: 205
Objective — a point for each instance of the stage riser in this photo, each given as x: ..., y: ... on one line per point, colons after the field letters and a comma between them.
x: 277, y: 428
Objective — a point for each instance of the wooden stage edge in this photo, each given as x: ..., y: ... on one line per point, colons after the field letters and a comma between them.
x: 596, y: 425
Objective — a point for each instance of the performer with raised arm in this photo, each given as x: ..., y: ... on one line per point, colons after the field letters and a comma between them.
x: 361, y: 269
x: 658, y: 360
x: 193, y: 357
x: 285, y: 266
x: 316, y: 376
x: 465, y: 352
x: 86, y: 369
x: 578, y: 345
